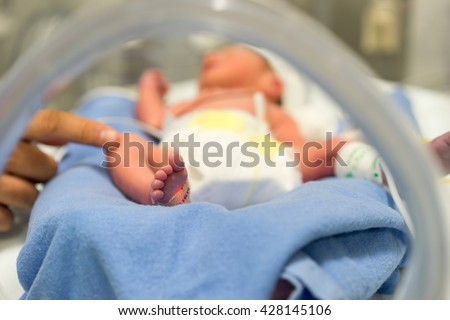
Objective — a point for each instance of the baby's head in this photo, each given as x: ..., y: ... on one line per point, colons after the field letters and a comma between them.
x: 240, y: 67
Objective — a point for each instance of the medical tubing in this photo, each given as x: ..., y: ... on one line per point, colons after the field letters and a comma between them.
x: 267, y: 23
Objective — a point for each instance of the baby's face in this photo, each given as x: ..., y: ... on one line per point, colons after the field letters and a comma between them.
x: 232, y: 67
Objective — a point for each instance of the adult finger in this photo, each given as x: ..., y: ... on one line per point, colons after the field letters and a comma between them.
x: 6, y: 219
x: 441, y: 147
x: 16, y: 192
x: 60, y: 126
x: 29, y: 162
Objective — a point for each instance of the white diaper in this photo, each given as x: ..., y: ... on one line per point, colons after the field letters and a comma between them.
x: 244, y: 172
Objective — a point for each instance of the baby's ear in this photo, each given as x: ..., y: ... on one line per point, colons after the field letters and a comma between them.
x: 274, y: 87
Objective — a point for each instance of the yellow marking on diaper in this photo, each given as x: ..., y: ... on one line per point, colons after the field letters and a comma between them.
x: 219, y: 120
x: 259, y: 139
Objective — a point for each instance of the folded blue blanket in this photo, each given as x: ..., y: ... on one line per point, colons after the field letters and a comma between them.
x: 340, y: 239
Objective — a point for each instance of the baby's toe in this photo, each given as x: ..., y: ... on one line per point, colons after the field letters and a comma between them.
x: 161, y: 175
x: 157, y: 195
x: 157, y: 184
x: 167, y: 169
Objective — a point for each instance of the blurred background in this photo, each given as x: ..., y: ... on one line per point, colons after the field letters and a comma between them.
x: 405, y: 41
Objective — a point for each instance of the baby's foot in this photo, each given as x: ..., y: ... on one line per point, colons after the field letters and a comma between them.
x: 441, y: 147
x: 170, y: 186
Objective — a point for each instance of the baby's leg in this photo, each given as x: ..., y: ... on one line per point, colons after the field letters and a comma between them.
x: 145, y: 175
x: 129, y: 169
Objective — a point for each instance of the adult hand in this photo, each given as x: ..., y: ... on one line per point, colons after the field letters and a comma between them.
x: 441, y: 147
x: 28, y: 165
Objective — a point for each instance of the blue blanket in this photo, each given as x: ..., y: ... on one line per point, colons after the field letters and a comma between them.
x: 337, y: 239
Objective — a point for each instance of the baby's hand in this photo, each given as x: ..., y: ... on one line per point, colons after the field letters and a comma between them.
x: 154, y: 80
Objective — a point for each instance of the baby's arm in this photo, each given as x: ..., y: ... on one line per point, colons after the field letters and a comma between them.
x: 283, y: 127
x: 316, y: 158
x: 150, y: 106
